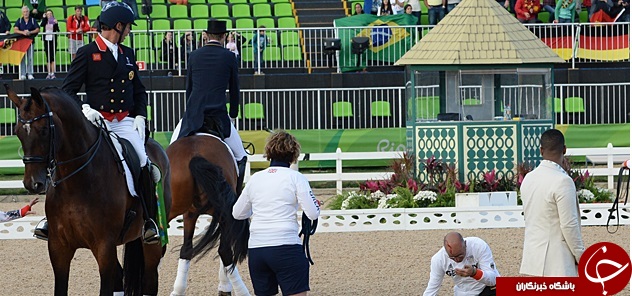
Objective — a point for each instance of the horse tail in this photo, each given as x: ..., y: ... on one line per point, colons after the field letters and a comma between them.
x: 133, y: 267
x: 221, y: 197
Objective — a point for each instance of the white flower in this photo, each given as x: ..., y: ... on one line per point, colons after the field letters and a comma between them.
x: 383, y: 203
x: 377, y: 195
x: 585, y: 194
x: 426, y: 195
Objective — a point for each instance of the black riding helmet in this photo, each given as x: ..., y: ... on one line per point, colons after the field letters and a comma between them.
x: 116, y: 12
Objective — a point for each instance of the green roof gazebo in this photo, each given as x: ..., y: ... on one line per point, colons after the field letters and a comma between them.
x: 479, y: 91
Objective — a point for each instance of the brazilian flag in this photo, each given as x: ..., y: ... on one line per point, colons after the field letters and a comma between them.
x: 388, y: 41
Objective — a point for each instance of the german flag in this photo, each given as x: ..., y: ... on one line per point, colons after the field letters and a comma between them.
x: 599, y: 42
x: 13, y: 47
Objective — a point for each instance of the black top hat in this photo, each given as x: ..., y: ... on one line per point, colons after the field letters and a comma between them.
x: 216, y: 27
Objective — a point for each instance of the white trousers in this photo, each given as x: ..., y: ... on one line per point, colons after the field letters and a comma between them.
x: 125, y: 129
x: 234, y: 141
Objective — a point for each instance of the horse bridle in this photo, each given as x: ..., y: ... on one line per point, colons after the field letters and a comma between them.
x: 50, y: 158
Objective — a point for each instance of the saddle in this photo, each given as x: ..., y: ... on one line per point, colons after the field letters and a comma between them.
x: 129, y: 155
x: 212, y: 126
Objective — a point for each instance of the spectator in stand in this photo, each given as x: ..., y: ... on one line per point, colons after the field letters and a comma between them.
x: 600, y: 5
x: 397, y: 6
x: 49, y: 23
x: 5, y: 28
x: 527, y: 10
x: 549, y: 6
x: 621, y: 5
x: 358, y: 9
x: 259, y: 43
x: 37, y: 8
x: 385, y: 8
x: 408, y: 9
x: 231, y: 44
x: 187, y: 45
x: 375, y: 6
x: 451, y: 5
x: 168, y: 53
x: 416, y: 6
x: 27, y: 26
x: 77, y: 24
x: 436, y: 10
x: 565, y: 11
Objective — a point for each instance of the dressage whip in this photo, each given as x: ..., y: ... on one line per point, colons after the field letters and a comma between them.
x: 615, y: 204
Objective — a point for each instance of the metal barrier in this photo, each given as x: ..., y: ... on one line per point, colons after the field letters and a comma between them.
x: 302, y: 49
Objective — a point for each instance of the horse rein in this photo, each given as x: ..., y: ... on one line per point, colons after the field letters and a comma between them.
x: 308, y: 229
x: 615, y: 204
x: 52, y: 162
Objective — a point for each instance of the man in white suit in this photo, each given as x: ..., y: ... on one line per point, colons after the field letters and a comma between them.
x: 552, y: 239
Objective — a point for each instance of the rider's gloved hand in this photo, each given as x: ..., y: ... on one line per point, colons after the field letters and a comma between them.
x: 139, y: 126
x: 92, y: 115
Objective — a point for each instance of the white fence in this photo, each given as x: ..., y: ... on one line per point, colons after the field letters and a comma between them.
x: 384, y: 219
x: 611, y: 154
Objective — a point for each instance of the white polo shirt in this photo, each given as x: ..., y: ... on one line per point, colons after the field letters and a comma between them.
x: 272, y: 198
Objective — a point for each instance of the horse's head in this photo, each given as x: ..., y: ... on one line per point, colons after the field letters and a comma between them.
x: 35, y: 129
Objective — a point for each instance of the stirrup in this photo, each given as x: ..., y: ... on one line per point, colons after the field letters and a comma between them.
x: 150, y: 232
x: 41, y: 232
x: 154, y: 172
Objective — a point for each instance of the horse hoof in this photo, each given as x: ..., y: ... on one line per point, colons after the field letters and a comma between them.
x: 222, y: 293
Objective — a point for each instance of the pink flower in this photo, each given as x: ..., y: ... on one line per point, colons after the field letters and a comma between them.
x: 412, y: 185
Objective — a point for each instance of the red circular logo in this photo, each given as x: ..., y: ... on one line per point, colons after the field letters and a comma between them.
x: 604, y: 269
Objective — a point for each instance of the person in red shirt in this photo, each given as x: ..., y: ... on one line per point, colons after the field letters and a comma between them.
x: 527, y: 10
x: 77, y: 24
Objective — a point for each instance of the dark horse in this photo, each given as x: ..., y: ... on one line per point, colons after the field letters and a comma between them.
x: 203, y: 182
x: 87, y: 201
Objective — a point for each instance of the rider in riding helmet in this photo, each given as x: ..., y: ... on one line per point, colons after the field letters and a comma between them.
x: 115, y: 95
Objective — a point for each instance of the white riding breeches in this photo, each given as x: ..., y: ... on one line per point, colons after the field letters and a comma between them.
x: 125, y: 130
x: 234, y: 141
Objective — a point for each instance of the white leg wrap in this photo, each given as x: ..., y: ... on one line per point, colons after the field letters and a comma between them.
x: 119, y: 294
x: 239, y: 288
x: 180, y: 284
x: 224, y: 283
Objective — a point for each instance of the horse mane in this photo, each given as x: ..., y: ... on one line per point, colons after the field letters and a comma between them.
x: 60, y: 100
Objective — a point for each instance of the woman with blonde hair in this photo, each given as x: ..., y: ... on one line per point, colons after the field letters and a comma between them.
x: 271, y: 199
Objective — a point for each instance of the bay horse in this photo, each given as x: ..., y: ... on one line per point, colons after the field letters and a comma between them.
x: 203, y: 180
x: 87, y: 200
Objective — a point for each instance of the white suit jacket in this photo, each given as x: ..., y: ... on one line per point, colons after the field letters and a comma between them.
x: 552, y: 237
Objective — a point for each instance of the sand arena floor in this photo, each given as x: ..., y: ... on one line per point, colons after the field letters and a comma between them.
x: 359, y: 263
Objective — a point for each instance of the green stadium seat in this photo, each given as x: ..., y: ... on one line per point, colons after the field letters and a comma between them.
x: 424, y: 19
x: 178, y: 11
x: 286, y: 22
x: 280, y: 1
x: 62, y: 43
x: 149, y: 113
x: 238, y: 110
x: 262, y: 10
x: 158, y: 1
x: 62, y: 58
x: 8, y: 116
x: 246, y: 54
x: 557, y: 105
x: 159, y: 11
x: 266, y: 22
x: 257, y: 1
x: 199, y: 11
x: 182, y: 25
x: 13, y: 3
x: 201, y: 24
x: 238, y: 1
x: 292, y: 53
x: 161, y: 25
x: 471, y: 102
x: 380, y: 108
x: 241, y: 10
x: 229, y: 23
x: 244, y: 23
x: 290, y: 38
x: 583, y: 16
x: 217, y: 1
x: 39, y: 58
x: 196, y: 2
x: 272, y: 54
x: 145, y: 56
x: 14, y: 13
x: 427, y: 107
x: 57, y: 11
x: 54, y: 3
x: 62, y: 26
x: 38, y: 44
x: 342, y: 109
x: 74, y: 3
x: 219, y: 11
x: 94, y: 11
x: 140, y: 25
x: 574, y: 105
x: 543, y: 16
x: 253, y: 111
x: 283, y: 9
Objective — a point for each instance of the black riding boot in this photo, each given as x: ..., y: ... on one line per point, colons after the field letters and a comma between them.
x: 241, y: 167
x: 148, y: 201
x: 41, y: 232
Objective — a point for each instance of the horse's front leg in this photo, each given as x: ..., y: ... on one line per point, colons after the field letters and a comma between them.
x: 186, y: 253
x: 60, y: 257
x: 153, y: 255
x: 109, y: 267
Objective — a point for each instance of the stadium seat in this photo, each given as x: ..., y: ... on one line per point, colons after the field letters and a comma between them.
x: 244, y: 23
x: 342, y: 109
x: 257, y: 1
x: 266, y: 22
x: 286, y: 22
x: 219, y: 11
x: 238, y: 110
x: 574, y: 105
x: 158, y: 11
x: 74, y: 3
x: 12, y: 3
x: 253, y: 111
x: 93, y: 12
x: 39, y: 58
x: 8, y: 116
x: 381, y: 109
x: 424, y: 19
x: 197, y: 2
x: 427, y: 107
x: 471, y: 102
x: 178, y: 11
x: 246, y: 54
x: 292, y: 53
x: 162, y: 25
x: 62, y: 58
x: 238, y: 1
x: 241, y: 10
x: 557, y: 105
x: 13, y: 14
x: 202, y: 24
x: 217, y: 2
x: 229, y: 23
x: 145, y: 56
x: 54, y: 3
x: 262, y: 10
x: 543, y: 16
x: 290, y: 38
x: 149, y: 113
x: 38, y: 44
x: 283, y: 9
x: 199, y: 11
x: 272, y: 54
x: 280, y: 1
x: 140, y: 25
x: 182, y: 24
x: 583, y: 16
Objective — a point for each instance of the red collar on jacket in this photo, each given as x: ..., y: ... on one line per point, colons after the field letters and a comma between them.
x: 102, y: 46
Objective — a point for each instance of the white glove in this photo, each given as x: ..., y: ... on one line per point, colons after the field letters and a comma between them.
x: 91, y: 114
x: 139, y: 125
